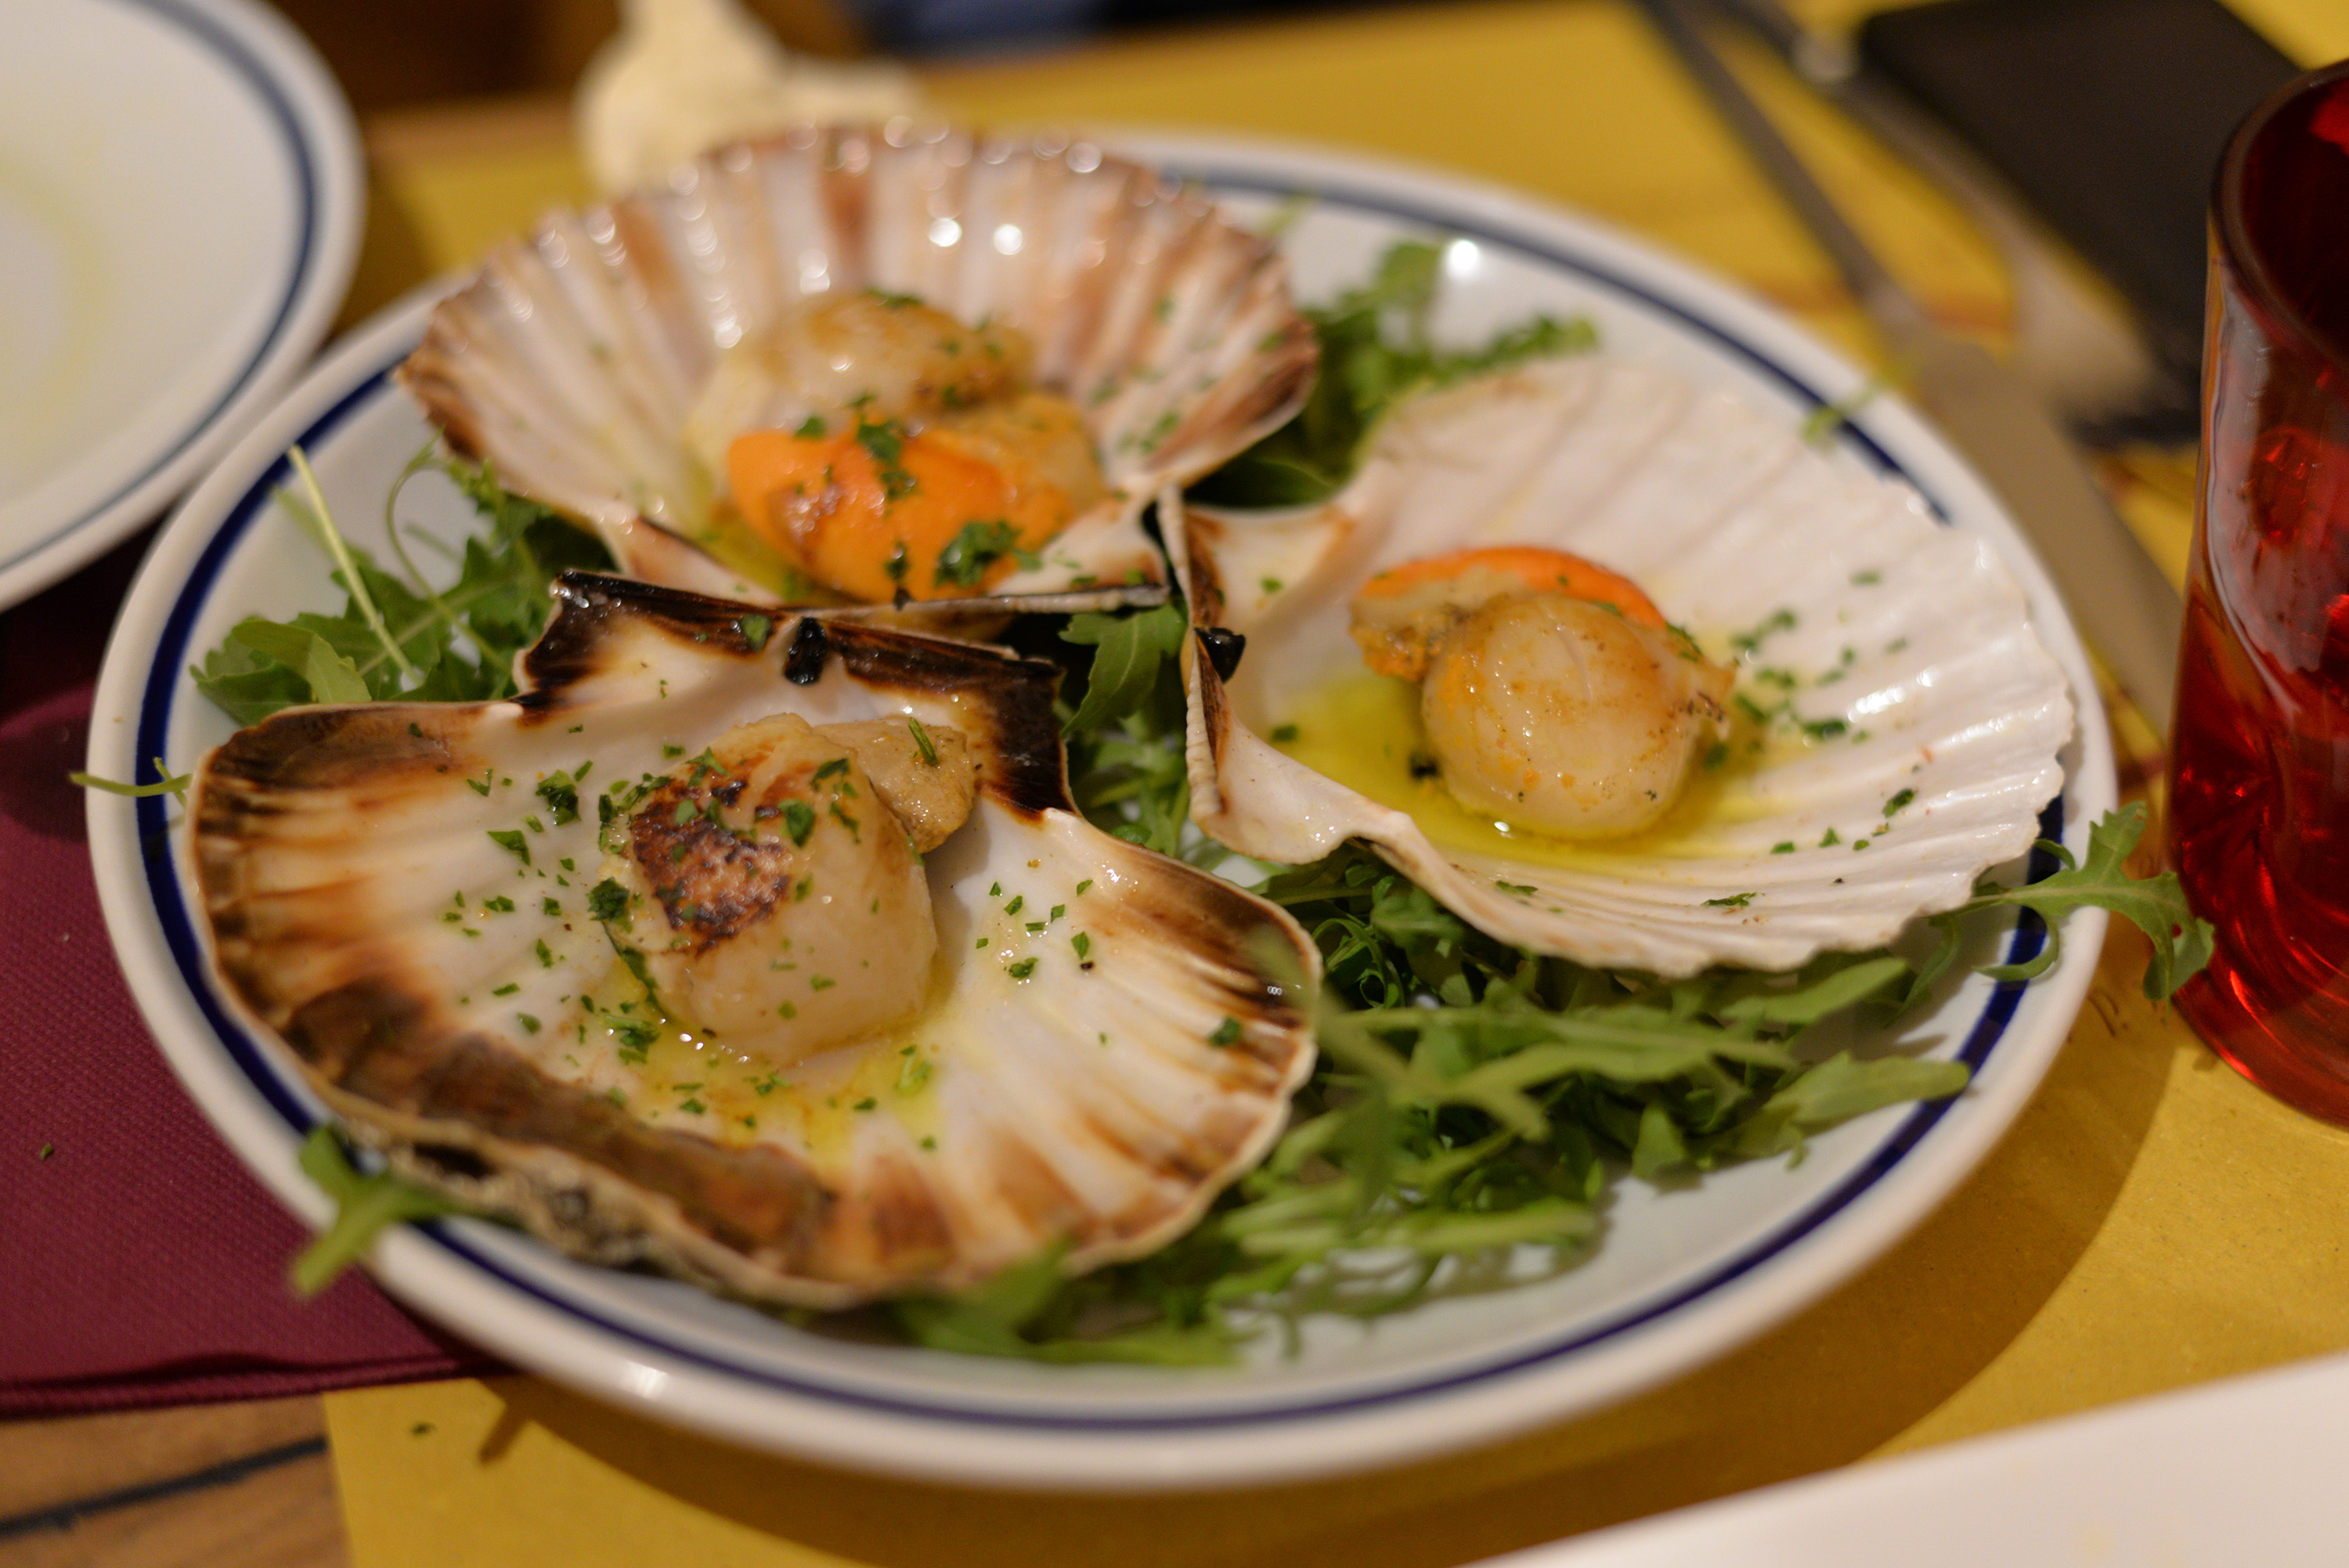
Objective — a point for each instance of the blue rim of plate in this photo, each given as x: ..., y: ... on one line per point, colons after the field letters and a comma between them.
x: 251, y: 1056
x: 242, y: 61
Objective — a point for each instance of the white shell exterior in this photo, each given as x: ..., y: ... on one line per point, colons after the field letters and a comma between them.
x: 572, y: 361
x: 1097, y: 1098
x: 1725, y: 517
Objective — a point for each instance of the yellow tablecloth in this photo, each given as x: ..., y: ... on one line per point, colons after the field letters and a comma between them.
x: 2152, y: 1221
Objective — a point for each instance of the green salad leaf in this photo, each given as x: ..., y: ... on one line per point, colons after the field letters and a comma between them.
x: 1130, y: 655
x: 365, y: 1206
x: 1375, y: 350
x: 397, y: 637
x: 2155, y: 905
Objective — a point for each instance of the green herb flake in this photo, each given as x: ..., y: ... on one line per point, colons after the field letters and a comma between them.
x: 513, y: 842
x: 980, y: 544
x: 607, y: 901
x: 1226, y: 1033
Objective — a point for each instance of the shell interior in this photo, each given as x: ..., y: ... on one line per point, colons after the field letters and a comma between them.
x: 392, y: 893
x: 572, y: 361
x: 1913, y: 718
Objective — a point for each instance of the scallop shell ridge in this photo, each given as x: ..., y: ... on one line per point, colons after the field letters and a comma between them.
x: 572, y: 360
x: 1937, y: 715
x: 434, y: 983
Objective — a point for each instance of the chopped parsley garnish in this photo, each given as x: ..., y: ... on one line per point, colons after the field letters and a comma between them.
x: 885, y: 439
x: 1226, y: 1033
x: 561, y: 793
x: 979, y: 546
x: 607, y: 901
x: 1746, y: 643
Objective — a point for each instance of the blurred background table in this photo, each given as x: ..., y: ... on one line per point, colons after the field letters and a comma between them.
x: 2151, y: 1222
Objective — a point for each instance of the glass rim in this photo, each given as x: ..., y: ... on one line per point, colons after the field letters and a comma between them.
x: 2235, y: 245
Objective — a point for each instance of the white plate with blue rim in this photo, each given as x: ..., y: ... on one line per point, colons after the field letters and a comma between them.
x: 1682, y: 1275
x: 180, y: 197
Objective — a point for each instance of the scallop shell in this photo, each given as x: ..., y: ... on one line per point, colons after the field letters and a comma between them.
x: 570, y: 362
x: 1908, y: 635
x: 429, y: 979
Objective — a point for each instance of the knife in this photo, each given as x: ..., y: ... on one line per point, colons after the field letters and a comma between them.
x: 2123, y: 600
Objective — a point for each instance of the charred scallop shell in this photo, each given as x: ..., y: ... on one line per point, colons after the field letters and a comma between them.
x: 572, y: 362
x: 1899, y: 720
x: 402, y: 895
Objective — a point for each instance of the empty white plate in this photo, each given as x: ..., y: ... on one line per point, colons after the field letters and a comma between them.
x: 180, y: 197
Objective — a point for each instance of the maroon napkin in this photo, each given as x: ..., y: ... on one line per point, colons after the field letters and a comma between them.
x: 138, y: 1264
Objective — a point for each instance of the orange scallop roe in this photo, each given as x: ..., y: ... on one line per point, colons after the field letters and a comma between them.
x: 875, y: 510
x: 1403, y: 613
x: 1545, y: 571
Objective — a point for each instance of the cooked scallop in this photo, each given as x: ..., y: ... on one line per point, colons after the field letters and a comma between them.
x: 774, y: 896
x: 1566, y: 717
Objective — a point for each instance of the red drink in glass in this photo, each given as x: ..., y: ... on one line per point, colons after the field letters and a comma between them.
x: 2259, y: 826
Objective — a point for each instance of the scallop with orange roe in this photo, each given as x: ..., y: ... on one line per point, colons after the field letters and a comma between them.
x: 1890, y: 693
x: 915, y: 274
x: 1555, y: 697
x: 1401, y: 614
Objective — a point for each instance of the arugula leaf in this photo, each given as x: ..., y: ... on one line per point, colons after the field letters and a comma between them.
x: 166, y: 783
x: 1128, y: 653
x: 328, y: 676
x: 1375, y: 351
x: 365, y: 1207
x: 398, y: 637
x: 997, y: 1319
x: 2155, y: 905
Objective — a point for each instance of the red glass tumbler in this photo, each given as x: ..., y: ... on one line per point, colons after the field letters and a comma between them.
x: 2259, y: 827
